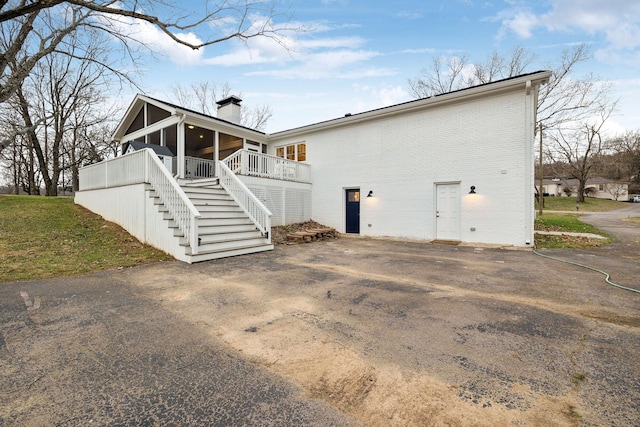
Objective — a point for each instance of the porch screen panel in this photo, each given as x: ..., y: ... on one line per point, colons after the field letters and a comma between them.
x: 229, y: 144
x: 138, y: 122
x: 199, y: 142
x: 155, y: 114
x: 171, y: 138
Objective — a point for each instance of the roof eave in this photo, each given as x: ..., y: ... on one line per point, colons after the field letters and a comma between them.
x: 537, y: 78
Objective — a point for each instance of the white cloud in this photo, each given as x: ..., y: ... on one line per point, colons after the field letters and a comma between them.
x: 418, y: 51
x: 409, y: 14
x: 617, y: 21
x: 308, y: 55
x: 339, y: 64
x: 522, y: 24
x: 377, y: 97
x: 148, y: 35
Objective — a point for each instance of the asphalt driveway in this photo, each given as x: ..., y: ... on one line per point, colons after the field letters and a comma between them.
x: 350, y: 331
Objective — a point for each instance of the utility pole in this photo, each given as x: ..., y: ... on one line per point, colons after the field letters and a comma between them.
x: 540, y: 191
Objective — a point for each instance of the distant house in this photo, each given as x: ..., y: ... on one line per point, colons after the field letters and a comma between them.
x: 598, y: 188
x: 455, y: 167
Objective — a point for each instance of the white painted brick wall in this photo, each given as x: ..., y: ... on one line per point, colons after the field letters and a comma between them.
x: 485, y: 142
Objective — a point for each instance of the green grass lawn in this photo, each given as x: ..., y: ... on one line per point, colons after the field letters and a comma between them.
x: 42, y: 237
x: 589, y: 204
x: 570, y: 223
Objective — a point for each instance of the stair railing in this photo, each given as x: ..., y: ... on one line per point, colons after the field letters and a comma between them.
x: 181, y: 209
x: 250, y: 204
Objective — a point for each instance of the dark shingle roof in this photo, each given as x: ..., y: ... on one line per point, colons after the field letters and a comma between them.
x: 158, y: 149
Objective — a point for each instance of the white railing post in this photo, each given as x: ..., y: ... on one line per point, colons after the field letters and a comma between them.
x: 244, y: 162
x: 194, y: 239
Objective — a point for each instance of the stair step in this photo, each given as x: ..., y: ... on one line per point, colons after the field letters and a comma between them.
x: 214, y: 202
x: 216, y: 222
x: 210, y: 255
x: 227, y: 245
x: 207, y: 195
x: 194, y: 183
x: 203, y: 199
x: 218, y: 208
x: 206, y: 239
x: 222, y: 214
x: 216, y: 218
x: 224, y: 229
x: 219, y: 229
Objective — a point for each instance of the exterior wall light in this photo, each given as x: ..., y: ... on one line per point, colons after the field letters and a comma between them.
x: 473, y: 190
x: 370, y: 193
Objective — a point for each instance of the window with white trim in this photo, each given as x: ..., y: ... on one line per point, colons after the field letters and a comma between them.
x: 297, y: 152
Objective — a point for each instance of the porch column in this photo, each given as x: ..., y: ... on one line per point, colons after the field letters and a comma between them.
x: 181, y: 150
x: 216, y: 151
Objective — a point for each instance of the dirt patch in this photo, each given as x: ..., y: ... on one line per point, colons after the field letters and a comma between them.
x: 384, y: 332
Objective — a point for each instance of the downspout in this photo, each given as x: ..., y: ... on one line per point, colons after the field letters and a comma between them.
x: 530, y: 115
x: 181, y: 148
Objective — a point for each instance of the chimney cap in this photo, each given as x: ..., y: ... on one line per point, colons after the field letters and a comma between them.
x: 229, y: 100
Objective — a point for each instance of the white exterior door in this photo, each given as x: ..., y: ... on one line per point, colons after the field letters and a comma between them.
x: 448, y: 212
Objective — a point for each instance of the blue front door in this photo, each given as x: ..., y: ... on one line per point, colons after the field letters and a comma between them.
x: 352, y: 211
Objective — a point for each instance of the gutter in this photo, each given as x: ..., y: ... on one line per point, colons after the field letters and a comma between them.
x: 529, y: 80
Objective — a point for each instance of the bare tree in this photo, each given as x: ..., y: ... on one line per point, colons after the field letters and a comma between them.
x: 33, y: 30
x: 203, y: 97
x: 457, y: 72
x: 616, y: 190
x: 444, y: 75
x: 564, y: 98
x: 256, y: 117
x: 626, y: 149
x: 56, y: 102
x: 579, y: 144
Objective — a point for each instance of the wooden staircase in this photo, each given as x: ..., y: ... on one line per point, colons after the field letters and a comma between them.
x: 224, y: 230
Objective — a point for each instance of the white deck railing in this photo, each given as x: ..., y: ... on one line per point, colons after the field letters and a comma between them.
x: 196, y: 167
x: 124, y: 170
x: 250, y: 163
x: 250, y: 204
x: 144, y: 166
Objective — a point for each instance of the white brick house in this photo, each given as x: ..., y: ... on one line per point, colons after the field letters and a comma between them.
x: 457, y: 166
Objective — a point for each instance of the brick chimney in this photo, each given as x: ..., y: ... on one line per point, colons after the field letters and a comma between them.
x: 229, y: 109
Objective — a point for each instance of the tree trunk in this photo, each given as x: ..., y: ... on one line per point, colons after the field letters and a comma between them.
x: 581, y: 186
x: 32, y: 137
x: 16, y: 170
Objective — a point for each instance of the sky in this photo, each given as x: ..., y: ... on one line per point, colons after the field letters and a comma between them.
x: 358, y: 55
